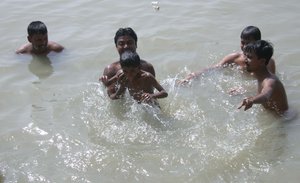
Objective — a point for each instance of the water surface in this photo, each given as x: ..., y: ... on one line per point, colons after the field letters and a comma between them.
x: 58, y: 125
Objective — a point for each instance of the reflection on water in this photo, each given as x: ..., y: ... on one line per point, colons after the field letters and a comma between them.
x: 41, y: 66
x: 1, y: 178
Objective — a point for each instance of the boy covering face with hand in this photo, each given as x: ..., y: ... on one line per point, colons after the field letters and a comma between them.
x: 140, y: 84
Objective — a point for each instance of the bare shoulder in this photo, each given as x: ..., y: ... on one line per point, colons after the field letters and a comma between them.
x: 55, y: 46
x: 112, y: 69
x: 26, y: 48
x: 147, y: 75
x: 271, y: 80
x: 146, y: 63
x: 146, y: 66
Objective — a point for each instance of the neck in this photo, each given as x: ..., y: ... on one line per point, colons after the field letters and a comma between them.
x: 262, y: 73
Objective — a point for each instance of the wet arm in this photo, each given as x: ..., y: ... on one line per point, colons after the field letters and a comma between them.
x: 108, y: 81
x: 118, y: 94
x: 261, y: 98
x: 161, y: 91
x: 23, y: 49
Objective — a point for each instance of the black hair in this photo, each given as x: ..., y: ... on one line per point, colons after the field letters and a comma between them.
x: 262, y: 49
x: 130, y: 59
x: 251, y: 32
x: 127, y: 31
x: 36, y: 27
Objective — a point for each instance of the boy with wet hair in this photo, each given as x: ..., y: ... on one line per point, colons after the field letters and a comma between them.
x: 271, y: 92
x: 248, y: 35
x: 125, y: 31
x: 38, y: 41
x: 125, y: 40
x: 139, y: 83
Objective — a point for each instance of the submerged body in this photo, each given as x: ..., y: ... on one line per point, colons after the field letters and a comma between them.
x: 140, y: 84
x: 271, y: 93
x: 125, y: 40
x: 38, y: 43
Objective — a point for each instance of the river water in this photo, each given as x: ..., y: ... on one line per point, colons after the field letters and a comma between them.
x: 58, y: 125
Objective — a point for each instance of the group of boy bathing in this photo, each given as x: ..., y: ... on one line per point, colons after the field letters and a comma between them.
x: 138, y: 76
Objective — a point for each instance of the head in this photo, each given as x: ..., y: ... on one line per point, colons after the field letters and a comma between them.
x: 258, y: 54
x: 38, y: 35
x: 125, y: 39
x: 250, y: 34
x: 130, y: 63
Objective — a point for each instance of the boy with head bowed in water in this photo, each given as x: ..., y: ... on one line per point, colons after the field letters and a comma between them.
x: 271, y: 93
x: 248, y: 35
x: 125, y: 40
x: 38, y: 41
x: 139, y: 83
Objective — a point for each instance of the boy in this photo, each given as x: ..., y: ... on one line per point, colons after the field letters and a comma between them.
x: 271, y: 92
x: 140, y: 83
x: 125, y: 39
x: 248, y: 35
x: 38, y: 41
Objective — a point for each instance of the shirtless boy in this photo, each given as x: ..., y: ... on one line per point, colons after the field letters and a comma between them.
x: 38, y: 41
x: 139, y: 83
x: 248, y: 35
x: 125, y: 39
x: 271, y: 92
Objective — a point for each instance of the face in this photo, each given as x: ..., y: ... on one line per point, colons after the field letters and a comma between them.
x: 125, y: 43
x: 252, y: 62
x: 244, y: 42
x: 39, y: 41
x: 130, y: 72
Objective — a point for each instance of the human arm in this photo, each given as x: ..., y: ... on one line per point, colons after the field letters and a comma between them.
x: 195, y: 75
x: 121, y: 88
x: 261, y: 98
x: 229, y: 59
x: 146, y: 66
x: 109, y: 81
x: 161, y: 92
x: 109, y: 72
x: 55, y: 47
x: 118, y: 94
x: 24, y: 48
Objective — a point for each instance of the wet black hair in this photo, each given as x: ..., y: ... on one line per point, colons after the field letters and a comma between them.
x: 127, y: 31
x: 130, y: 59
x: 251, y: 32
x: 36, y: 27
x: 262, y: 49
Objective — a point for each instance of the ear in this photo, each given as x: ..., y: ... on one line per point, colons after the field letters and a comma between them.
x: 29, y: 38
x: 263, y: 61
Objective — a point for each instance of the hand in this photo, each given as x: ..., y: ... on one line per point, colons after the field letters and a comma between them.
x: 247, y: 102
x: 187, y: 80
x: 146, y: 97
x: 121, y: 77
x: 183, y: 82
x: 104, y: 79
